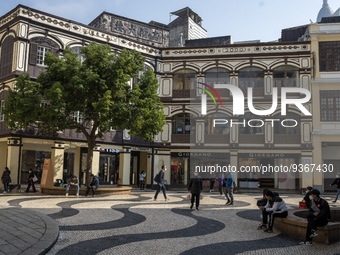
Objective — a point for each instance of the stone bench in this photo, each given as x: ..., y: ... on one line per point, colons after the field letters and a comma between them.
x: 100, y: 191
x: 295, y: 225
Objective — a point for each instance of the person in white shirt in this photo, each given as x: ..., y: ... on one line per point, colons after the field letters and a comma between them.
x: 275, y: 207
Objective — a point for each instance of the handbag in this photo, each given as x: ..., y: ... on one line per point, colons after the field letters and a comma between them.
x: 201, y: 196
x: 35, y: 178
x: 302, y: 205
x: 189, y: 196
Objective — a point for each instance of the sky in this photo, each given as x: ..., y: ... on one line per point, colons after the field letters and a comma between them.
x: 242, y: 19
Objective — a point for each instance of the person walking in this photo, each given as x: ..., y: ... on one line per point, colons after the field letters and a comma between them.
x: 160, y: 183
x: 195, y: 187
x: 318, y: 216
x: 220, y: 183
x: 142, y: 177
x: 94, y: 184
x: 212, y: 183
x: 30, y: 180
x: 337, y: 184
x: 6, y: 179
x: 229, y: 190
x: 72, y: 182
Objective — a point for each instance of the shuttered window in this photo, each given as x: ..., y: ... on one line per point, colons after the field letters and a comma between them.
x: 6, y: 56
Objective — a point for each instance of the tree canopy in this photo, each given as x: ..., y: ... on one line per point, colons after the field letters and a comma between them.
x: 91, y: 94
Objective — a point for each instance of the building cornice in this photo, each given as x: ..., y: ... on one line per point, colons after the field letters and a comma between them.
x: 76, y: 28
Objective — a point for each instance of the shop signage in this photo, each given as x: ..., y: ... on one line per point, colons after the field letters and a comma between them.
x: 109, y: 150
x: 140, y: 149
x: 266, y: 155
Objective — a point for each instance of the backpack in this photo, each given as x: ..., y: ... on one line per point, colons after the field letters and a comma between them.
x: 157, y: 178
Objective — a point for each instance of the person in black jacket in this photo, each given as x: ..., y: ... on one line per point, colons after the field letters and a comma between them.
x: 30, y: 181
x: 306, y: 197
x: 318, y: 216
x: 160, y: 183
x: 337, y: 183
x: 195, y: 187
x: 6, y: 179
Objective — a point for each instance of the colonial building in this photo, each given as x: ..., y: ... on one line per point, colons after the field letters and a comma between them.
x: 187, y: 63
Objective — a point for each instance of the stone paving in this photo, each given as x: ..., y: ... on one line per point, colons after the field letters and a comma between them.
x: 135, y: 224
x: 25, y: 231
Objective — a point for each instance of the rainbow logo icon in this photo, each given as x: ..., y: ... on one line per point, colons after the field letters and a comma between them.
x: 211, y: 94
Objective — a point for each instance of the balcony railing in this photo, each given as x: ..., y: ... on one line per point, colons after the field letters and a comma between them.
x: 181, y: 138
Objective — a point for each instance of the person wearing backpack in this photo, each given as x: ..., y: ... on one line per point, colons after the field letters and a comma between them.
x: 337, y: 183
x: 159, y: 178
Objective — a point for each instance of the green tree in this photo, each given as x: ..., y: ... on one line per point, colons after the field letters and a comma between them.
x: 97, y: 89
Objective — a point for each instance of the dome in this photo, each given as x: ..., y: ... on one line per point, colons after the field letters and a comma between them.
x: 325, y: 11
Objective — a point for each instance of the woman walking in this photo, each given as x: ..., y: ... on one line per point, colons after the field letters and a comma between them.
x: 6, y: 179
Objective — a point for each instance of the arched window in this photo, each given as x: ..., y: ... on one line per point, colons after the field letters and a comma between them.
x: 184, y: 79
x: 252, y: 77
x: 6, y: 56
x: 217, y: 76
x: 181, y: 124
x: 286, y: 76
x: 39, y: 46
x: 184, y: 82
x: 80, y: 55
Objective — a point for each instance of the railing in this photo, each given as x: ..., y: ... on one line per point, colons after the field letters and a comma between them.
x: 182, y: 138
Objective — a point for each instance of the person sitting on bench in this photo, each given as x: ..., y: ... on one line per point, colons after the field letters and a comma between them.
x: 318, y: 216
x: 72, y: 182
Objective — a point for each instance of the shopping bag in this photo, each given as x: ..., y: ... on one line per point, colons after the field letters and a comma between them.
x: 302, y: 205
x: 35, y: 178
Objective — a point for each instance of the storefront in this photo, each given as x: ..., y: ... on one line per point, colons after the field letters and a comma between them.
x: 182, y: 163
x: 33, y: 155
x: 268, y: 170
x: 108, y: 166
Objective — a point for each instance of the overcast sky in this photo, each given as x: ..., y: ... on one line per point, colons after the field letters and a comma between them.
x: 242, y: 19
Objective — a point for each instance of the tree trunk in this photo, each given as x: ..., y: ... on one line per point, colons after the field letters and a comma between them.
x: 90, y: 147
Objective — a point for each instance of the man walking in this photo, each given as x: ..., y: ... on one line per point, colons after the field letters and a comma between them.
x: 195, y: 188
x: 229, y: 190
x: 160, y: 183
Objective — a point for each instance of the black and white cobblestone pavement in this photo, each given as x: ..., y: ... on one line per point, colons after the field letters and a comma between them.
x: 135, y: 224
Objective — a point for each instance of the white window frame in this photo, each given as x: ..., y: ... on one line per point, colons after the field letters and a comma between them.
x: 41, y: 55
x: 78, y: 117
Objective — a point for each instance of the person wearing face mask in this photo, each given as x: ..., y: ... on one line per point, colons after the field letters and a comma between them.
x: 306, y: 197
x: 318, y: 216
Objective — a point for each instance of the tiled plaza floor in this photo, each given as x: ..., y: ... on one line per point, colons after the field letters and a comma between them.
x: 135, y: 224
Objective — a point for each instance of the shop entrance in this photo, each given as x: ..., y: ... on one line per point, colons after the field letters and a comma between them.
x: 138, y: 164
x: 108, y: 168
x: 267, y: 179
